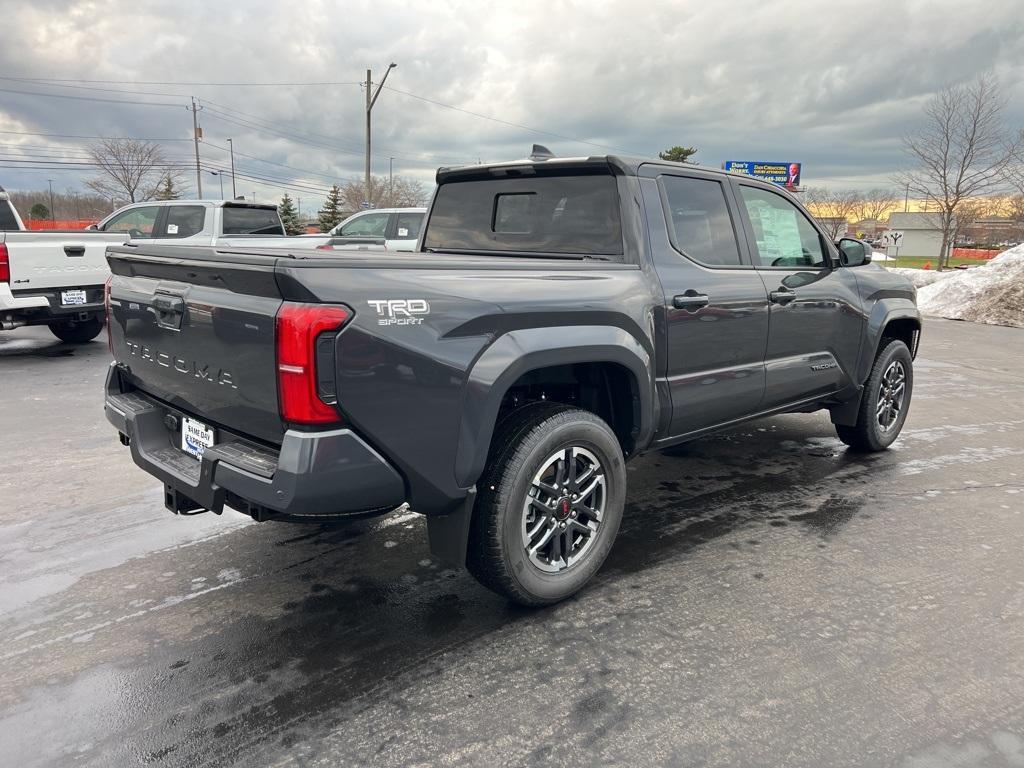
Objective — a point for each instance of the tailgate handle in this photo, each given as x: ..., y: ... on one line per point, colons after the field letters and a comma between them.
x: 168, y: 311
x: 74, y: 250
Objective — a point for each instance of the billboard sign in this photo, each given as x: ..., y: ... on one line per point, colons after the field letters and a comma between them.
x: 783, y: 174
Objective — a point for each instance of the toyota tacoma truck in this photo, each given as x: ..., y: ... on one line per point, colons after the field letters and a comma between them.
x: 55, y: 278
x: 559, y: 318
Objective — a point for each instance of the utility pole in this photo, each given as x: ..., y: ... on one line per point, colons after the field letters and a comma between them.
x: 391, y: 181
x: 195, y: 139
x: 53, y: 218
x: 906, y: 199
x: 371, y: 99
x: 231, y: 147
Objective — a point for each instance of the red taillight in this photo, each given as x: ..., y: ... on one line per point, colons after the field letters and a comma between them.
x: 5, y: 264
x: 298, y: 326
x: 106, y: 312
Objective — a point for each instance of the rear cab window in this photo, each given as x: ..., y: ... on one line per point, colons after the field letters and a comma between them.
x: 542, y: 212
x: 241, y: 220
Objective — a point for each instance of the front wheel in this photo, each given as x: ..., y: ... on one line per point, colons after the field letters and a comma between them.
x: 77, y: 331
x: 550, y: 504
x: 885, y: 402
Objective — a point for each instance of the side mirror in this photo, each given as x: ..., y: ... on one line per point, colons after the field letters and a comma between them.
x: 92, y: 228
x: 853, y: 253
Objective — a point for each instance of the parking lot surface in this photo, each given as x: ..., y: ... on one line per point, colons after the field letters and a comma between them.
x: 772, y: 600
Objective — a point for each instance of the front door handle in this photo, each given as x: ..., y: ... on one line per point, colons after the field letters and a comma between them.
x: 782, y: 296
x: 690, y: 300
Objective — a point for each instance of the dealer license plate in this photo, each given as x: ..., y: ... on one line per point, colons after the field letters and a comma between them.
x: 68, y: 298
x: 196, y: 437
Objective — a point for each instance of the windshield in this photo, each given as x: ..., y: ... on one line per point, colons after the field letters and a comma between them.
x: 577, y: 214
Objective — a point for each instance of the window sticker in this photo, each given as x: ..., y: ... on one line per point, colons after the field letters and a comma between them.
x: 172, y: 229
x: 776, y: 230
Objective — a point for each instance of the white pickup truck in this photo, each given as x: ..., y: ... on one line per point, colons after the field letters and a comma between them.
x: 56, y: 278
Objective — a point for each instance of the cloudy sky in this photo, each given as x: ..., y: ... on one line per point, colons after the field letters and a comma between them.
x: 832, y: 85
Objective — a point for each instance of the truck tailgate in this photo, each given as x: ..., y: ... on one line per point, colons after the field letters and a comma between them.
x: 197, y: 329
x: 58, y: 259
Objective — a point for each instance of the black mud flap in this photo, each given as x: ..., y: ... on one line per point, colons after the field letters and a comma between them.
x: 449, y: 534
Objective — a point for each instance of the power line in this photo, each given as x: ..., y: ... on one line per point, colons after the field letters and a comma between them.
x: 91, y: 98
x: 180, y: 82
x: 74, y: 136
x: 507, y: 122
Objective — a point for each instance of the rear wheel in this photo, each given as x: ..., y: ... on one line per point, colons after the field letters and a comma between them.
x: 886, y: 399
x: 550, y: 504
x: 77, y: 331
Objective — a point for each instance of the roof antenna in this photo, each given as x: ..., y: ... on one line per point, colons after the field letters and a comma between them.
x: 540, y: 152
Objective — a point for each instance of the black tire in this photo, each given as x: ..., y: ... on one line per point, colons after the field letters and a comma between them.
x: 77, y: 331
x: 523, y: 444
x: 869, y: 434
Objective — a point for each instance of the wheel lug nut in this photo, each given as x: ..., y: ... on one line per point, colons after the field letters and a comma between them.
x: 573, y: 513
x: 561, y: 525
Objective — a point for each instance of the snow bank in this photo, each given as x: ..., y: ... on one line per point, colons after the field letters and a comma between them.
x: 993, y: 293
x: 920, y: 277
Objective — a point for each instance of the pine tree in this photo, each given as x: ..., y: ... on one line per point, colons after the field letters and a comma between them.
x: 166, y: 190
x: 331, y: 215
x: 289, y: 216
x: 678, y: 154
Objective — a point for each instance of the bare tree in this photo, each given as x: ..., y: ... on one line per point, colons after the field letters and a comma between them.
x: 962, y: 150
x: 875, y: 204
x: 832, y: 208
x: 129, y: 169
x: 401, y: 192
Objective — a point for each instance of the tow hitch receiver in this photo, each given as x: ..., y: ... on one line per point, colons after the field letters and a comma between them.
x: 180, y: 504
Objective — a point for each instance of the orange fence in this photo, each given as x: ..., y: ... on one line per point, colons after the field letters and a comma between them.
x: 59, y: 223
x: 974, y: 253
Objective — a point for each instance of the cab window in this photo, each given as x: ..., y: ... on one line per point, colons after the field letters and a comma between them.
x: 136, y: 222
x: 783, y: 236
x: 184, y: 220
x: 409, y: 225
x: 700, y: 225
x: 370, y: 225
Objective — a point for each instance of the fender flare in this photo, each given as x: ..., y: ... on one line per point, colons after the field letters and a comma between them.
x: 521, y: 351
x: 882, y: 313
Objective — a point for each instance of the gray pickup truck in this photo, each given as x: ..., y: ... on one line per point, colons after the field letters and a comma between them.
x: 559, y: 317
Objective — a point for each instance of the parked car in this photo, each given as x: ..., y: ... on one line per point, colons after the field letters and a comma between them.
x: 400, y: 227
x: 561, y: 317
x: 55, y: 278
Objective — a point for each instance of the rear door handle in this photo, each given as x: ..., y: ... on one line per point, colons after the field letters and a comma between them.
x: 690, y: 300
x: 74, y: 250
x: 783, y: 296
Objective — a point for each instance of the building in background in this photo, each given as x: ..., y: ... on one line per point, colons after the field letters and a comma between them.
x: 922, y: 235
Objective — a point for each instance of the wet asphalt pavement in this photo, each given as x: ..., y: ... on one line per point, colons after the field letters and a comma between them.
x: 772, y: 600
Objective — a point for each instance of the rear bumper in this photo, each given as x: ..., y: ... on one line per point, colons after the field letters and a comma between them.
x: 37, y: 307
x: 314, y: 476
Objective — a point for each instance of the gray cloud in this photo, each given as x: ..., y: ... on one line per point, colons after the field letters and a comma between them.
x: 832, y: 85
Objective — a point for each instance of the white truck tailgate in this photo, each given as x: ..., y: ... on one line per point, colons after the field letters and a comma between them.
x: 58, y: 259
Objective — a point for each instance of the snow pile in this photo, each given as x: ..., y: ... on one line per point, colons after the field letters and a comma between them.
x: 993, y: 293
x: 919, y: 277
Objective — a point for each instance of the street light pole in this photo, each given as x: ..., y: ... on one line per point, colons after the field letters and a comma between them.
x: 231, y: 147
x: 195, y: 139
x: 52, y: 218
x: 371, y: 99
x: 391, y: 181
